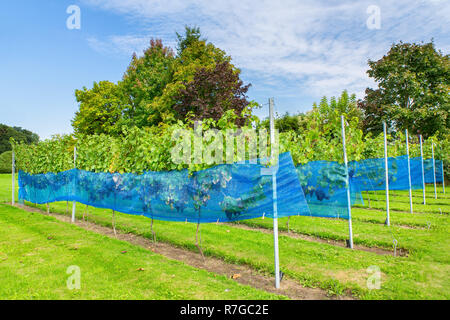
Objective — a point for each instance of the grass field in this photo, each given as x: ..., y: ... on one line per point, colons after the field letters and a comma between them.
x: 36, y: 250
x: 423, y: 274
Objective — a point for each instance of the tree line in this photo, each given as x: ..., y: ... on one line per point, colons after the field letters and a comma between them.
x: 18, y: 134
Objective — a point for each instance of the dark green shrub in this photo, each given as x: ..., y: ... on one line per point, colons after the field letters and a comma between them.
x: 5, y: 162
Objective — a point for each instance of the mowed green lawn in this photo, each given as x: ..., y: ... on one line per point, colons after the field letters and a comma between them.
x: 36, y: 252
x: 424, y: 274
x: 5, y: 187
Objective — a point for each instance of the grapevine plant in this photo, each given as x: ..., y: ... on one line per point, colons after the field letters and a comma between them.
x: 139, y: 151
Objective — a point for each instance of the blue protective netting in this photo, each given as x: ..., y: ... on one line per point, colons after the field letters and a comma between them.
x: 428, y: 168
x: 232, y: 191
x: 223, y: 193
x: 369, y: 174
x: 323, y: 182
x: 324, y: 186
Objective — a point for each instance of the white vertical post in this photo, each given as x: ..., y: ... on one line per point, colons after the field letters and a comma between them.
x: 409, y: 172
x: 349, y: 204
x: 74, y: 166
x: 443, y: 176
x: 275, y: 206
x: 423, y: 170
x: 434, y: 169
x: 13, y: 180
x: 386, y: 169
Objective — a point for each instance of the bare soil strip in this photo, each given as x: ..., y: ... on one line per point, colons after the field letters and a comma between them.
x: 400, y: 251
x: 240, y: 273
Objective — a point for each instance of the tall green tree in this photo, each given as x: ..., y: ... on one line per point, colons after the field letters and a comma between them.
x: 6, y: 162
x: 19, y: 134
x: 413, y: 83
x: 101, y: 109
x: 145, y: 79
x: 344, y: 104
x: 190, y: 36
x: 194, y: 54
x: 161, y: 87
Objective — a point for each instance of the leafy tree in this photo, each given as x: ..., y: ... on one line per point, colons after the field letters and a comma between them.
x: 18, y: 134
x: 287, y: 122
x: 159, y: 84
x: 197, y: 55
x: 5, y: 162
x: 144, y: 80
x: 321, y: 139
x: 211, y: 93
x: 374, y: 112
x: 345, y: 104
x: 191, y: 36
x: 414, y: 82
x: 101, y: 109
x: 327, y: 114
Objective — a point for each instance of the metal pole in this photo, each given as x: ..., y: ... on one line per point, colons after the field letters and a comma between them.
x: 74, y: 166
x: 349, y: 205
x: 423, y: 170
x: 275, y: 206
x: 443, y: 176
x: 409, y: 173
x: 434, y: 170
x: 13, y: 180
x: 388, y: 223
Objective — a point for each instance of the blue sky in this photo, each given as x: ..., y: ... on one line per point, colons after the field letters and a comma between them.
x: 294, y: 51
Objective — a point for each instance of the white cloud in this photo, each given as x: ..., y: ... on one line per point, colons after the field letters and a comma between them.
x: 120, y: 45
x: 317, y: 46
